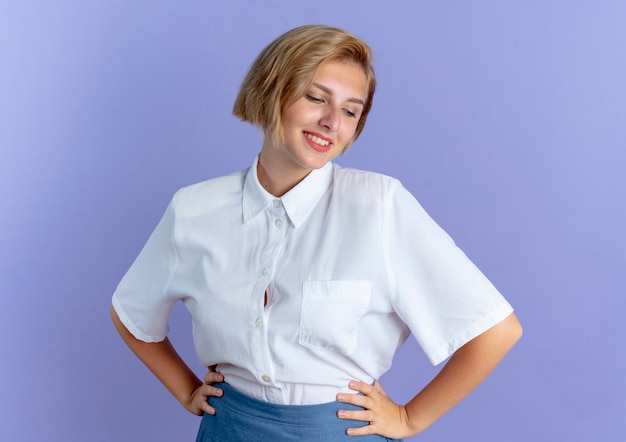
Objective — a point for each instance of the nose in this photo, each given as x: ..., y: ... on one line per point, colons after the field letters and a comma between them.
x: 331, y: 119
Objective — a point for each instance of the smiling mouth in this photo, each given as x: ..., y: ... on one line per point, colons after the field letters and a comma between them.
x: 317, y: 140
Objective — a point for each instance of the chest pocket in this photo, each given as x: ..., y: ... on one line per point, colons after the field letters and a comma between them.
x: 331, y: 313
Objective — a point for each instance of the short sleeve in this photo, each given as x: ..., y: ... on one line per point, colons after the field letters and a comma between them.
x: 142, y: 299
x: 437, y: 291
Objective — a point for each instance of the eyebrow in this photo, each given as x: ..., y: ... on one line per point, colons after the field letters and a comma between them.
x: 328, y: 91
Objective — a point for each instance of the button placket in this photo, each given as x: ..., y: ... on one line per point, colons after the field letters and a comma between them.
x: 259, y: 321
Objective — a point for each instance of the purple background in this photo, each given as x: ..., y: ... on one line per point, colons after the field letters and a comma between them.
x: 506, y: 120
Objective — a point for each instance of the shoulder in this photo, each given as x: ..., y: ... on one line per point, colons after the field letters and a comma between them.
x: 209, y: 195
x: 364, y: 182
x: 347, y: 176
x: 373, y: 190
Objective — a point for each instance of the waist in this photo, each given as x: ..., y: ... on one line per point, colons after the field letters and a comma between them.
x: 312, y: 414
x: 285, y: 393
x: 239, y: 417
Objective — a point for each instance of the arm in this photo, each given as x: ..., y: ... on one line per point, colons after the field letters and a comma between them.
x: 163, y: 361
x: 465, y: 370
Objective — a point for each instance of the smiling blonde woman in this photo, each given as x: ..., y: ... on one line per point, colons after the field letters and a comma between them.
x: 303, y: 278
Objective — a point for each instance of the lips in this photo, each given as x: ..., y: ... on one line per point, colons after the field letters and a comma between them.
x: 318, y: 142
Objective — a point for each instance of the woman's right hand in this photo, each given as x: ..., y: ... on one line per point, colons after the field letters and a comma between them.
x: 199, y: 403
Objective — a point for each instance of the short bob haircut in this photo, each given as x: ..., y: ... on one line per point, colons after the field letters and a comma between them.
x: 285, y: 69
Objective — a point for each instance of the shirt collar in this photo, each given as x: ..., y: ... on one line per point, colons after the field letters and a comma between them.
x: 298, y: 202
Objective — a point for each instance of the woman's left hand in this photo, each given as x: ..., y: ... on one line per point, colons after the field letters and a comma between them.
x: 385, y: 417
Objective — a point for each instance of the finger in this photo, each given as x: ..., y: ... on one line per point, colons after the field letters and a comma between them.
x: 208, y: 409
x: 362, y: 387
x: 205, y: 393
x: 361, y: 431
x: 209, y: 390
x: 201, y: 403
x: 354, y: 399
x: 212, y: 377
x: 356, y: 415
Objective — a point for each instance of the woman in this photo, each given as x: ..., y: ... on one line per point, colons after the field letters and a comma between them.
x: 303, y: 278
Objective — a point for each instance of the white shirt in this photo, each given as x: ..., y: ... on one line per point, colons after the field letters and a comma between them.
x: 351, y: 265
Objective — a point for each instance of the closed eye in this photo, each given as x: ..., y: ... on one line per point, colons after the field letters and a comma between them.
x: 314, y: 99
x: 350, y: 113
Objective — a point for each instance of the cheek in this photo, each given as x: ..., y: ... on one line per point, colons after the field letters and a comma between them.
x: 299, y: 114
x: 350, y: 129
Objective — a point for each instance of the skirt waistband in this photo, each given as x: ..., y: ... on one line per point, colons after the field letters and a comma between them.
x: 241, y: 418
x: 316, y: 414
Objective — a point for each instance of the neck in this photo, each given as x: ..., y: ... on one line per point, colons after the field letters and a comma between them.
x: 273, y: 180
x: 275, y: 177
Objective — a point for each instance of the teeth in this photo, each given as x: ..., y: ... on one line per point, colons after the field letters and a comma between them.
x: 317, y: 140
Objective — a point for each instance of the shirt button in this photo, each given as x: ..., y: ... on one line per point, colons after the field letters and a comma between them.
x: 265, y: 378
x: 278, y: 223
x: 267, y: 271
x: 276, y: 204
x: 258, y: 322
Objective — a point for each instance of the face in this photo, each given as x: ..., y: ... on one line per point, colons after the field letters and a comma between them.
x: 319, y: 125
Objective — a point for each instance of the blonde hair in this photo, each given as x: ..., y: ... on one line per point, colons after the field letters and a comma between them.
x: 285, y: 69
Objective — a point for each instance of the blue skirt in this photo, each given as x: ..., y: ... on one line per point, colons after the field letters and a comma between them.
x: 241, y: 418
